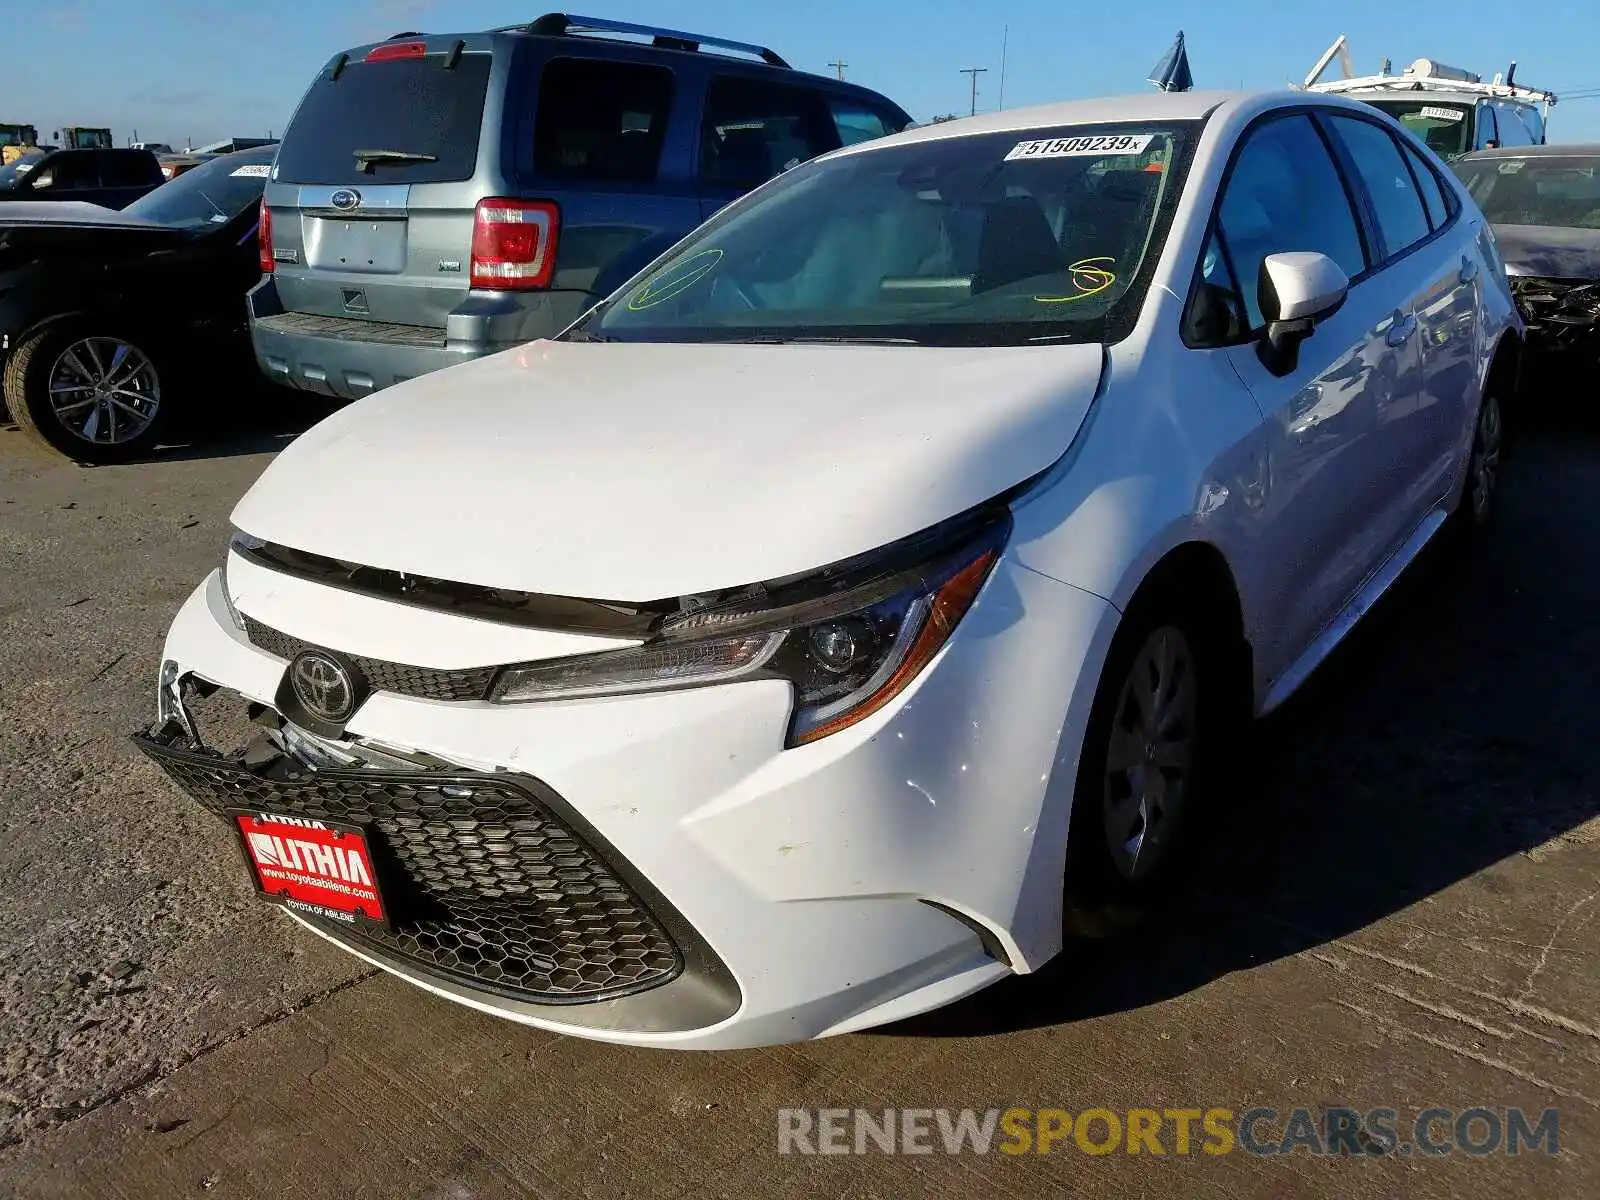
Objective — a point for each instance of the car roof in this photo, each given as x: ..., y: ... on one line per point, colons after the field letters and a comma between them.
x: 1557, y: 150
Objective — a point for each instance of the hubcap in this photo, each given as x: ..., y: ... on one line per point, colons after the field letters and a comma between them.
x: 1150, y: 758
x: 104, y: 390
x: 1486, y: 457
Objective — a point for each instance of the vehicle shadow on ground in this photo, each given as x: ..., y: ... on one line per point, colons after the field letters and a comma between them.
x: 1453, y: 730
x: 260, y: 418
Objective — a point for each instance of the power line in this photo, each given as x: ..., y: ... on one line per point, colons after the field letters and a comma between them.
x: 974, y: 72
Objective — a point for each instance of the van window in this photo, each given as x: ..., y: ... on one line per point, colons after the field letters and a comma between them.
x: 756, y: 130
x: 413, y: 105
x: 601, y: 120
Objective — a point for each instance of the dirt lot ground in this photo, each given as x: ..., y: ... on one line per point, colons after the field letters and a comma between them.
x: 1404, y: 911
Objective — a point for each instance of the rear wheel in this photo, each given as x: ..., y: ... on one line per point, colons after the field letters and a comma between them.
x: 93, y: 395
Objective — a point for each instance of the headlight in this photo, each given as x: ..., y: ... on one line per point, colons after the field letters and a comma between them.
x: 849, y: 638
x: 242, y: 542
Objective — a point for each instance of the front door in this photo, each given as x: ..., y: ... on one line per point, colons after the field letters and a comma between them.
x: 1322, y: 468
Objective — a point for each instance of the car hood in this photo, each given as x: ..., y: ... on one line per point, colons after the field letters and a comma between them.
x: 637, y: 472
x: 1550, y: 251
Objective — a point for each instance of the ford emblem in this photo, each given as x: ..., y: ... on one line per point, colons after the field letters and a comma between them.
x: 345, y: 199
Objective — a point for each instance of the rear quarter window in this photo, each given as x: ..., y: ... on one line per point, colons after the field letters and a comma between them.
x: 600, y: 120
x: 415, y: 106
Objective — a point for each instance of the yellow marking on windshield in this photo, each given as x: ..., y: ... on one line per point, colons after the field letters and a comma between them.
x: 675, y: 281
x: 1089, y: 278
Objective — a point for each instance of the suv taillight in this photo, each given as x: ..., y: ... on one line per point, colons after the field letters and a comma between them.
x: 514, y: 244
x: 264, y: 237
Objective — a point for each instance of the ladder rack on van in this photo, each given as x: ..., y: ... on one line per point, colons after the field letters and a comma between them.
x: 1424, y: 75
x: 565, y: 24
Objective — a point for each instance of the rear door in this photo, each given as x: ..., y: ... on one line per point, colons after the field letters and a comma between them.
x: 754, y: 128
x: 1422, y: 270
x: 377, y: 178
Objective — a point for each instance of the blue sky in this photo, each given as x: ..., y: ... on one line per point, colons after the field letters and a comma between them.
x: 208, y: 69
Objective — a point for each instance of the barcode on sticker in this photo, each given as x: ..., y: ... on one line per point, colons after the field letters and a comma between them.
x: 1442, y: 114
x: 252, y: 171
x: 1075, y: 147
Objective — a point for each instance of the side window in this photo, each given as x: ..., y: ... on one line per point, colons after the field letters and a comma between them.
x: 601, y: 120
x: 1433, y: 197
x: 69, y: 173
x: 1401, y: 218
x: 857, y: 122
x: 1488, y: 127
x: 125, y: 170
x: 754, y: 130
x: 1513, y: 129
x: 1285, y: 194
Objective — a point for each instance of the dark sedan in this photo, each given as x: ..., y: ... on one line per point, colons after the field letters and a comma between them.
x: 107, y: 318
x: 1544, y: 204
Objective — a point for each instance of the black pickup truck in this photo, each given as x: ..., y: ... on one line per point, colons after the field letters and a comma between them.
x: 109, y: 178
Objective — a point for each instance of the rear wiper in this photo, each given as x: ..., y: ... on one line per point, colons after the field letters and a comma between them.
x: 367, y: 159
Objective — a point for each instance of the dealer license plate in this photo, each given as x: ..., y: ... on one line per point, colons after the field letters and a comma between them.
x: 317, y: 868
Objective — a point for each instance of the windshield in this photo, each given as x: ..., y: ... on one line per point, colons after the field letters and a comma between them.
x: 211, y: 194
x: 1536, y: 190
x: 12, y: 172
x: 1446, y: 128
x: 1000, y: 239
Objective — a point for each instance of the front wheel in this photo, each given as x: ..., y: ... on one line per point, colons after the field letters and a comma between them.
x: 92, y: 395
x: 1145, y: 759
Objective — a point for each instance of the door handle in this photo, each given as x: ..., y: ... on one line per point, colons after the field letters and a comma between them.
x: 1400, y: 332
x: 1469, y: 268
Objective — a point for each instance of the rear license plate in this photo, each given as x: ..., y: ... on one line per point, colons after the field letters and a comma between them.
x: 318, y: 868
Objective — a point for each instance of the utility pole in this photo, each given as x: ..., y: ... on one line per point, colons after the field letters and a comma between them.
x: 839, y: 67
x: 1005, y: 41
x: 974, y: 72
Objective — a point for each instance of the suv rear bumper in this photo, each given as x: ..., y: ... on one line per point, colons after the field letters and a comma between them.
x: 349, y: 358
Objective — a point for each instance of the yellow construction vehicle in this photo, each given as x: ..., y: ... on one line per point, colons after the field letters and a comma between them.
x: 14, y: 140
x: 82, y: 137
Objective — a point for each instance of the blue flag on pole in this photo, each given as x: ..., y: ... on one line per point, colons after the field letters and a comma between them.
x: 1171, y: 74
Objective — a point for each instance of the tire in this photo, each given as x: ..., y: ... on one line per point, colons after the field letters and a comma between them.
x: 1475, y: 511
x: 87, y: 393
x: 1144, y: 784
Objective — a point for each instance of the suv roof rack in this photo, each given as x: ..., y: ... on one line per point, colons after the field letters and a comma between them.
x: 563, y: 24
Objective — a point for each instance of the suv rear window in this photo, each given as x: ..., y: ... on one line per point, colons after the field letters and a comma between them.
x: 413, y: 105
x: 601, y: 120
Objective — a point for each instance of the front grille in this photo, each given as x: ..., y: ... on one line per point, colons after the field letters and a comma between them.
x: 427, y: 683
x: 484, y: 883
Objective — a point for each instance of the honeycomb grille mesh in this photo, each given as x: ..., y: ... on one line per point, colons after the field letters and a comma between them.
x: 484, y: 884
x: 427, y: 683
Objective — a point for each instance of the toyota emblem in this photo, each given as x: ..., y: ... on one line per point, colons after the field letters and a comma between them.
x: 324, y: 687
x: 345, y: 199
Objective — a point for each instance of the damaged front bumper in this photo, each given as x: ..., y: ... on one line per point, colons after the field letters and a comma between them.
x: 1560, y: 314
x: 494, y: 885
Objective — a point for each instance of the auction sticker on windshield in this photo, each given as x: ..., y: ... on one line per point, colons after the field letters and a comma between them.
x: 1075, y: 147
x: 312, y: 867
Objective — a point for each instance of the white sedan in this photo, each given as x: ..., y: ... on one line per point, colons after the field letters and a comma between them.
x: 765, y: 657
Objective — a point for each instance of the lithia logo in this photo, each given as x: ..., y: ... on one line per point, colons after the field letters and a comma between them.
x: 310, y: 858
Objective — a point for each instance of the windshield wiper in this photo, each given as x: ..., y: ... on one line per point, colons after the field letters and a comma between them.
x: 367, y: 159
x: 583, y: 335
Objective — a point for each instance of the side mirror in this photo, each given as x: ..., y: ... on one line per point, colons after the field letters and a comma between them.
x: 1296, y: 291
x: 42, y: 180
